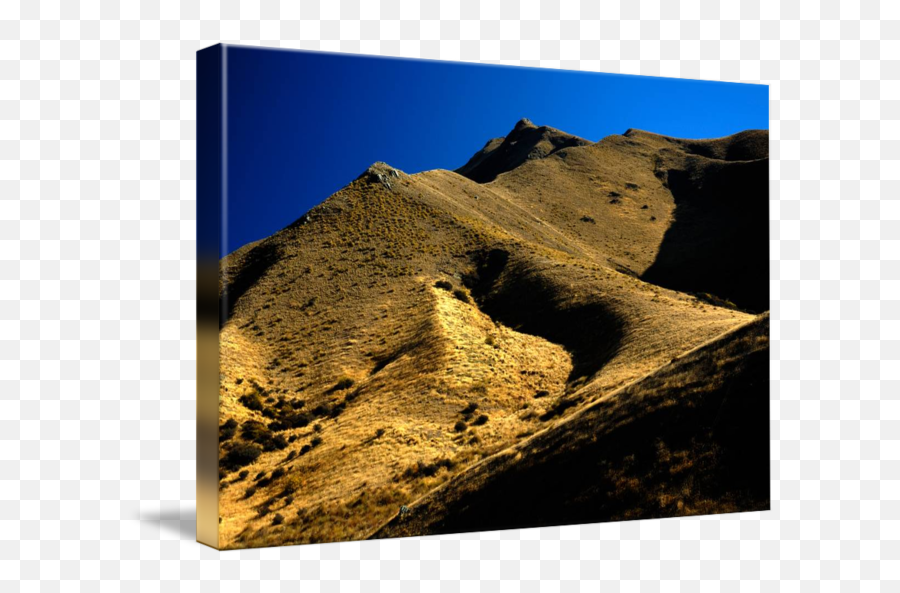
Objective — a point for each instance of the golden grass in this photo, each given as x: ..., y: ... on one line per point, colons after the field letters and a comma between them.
x: 351, y: 296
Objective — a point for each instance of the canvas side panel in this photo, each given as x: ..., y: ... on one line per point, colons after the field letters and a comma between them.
x: 210, y: 200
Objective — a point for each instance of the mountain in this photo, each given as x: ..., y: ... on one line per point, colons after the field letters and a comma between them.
x: 411, y: 328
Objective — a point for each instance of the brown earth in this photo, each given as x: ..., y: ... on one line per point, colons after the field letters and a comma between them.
x: 411, y: 328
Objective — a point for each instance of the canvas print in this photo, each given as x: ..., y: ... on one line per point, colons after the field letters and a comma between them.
x: 438, y: 297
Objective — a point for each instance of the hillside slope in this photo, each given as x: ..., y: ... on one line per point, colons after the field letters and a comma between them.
x: 412, y: 325
x: 689, y: 439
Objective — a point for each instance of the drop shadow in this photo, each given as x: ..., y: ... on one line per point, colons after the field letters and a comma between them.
x: 181, y: 522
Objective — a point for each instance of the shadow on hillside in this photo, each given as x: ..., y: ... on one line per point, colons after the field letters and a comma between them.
x: 719, y: 240
x: 692, y: 439
x: 526, y: 299
x: 256, y: 263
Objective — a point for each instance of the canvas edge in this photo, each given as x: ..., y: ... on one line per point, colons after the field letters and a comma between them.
x: 210, y: 202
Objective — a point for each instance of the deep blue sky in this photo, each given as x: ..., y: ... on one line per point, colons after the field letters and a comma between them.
x: 301, y: 125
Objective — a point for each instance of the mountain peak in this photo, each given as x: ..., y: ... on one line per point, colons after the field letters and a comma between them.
x: 523, y: 123
x: 525, y: 142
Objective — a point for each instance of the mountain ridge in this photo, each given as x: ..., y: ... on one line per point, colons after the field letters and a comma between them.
x: 356, y: 341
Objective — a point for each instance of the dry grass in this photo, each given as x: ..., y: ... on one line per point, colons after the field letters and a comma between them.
x: 349, y: 343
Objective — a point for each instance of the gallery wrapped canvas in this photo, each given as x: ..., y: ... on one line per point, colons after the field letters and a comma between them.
x: 439, y: 297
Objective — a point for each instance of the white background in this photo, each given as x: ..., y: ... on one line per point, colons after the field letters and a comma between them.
x: 97, y: 338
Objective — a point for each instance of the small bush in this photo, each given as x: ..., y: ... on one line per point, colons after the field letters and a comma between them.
x: 241, y: 455
x: 288, y: 501
x: 541, y: 393
x: 317, y: 427
x: 481, y: 420
x: 243, y: 475
x: 277, y: 473
x: 298, y: 403
x: 305, y: 449
x: 632, y: 186
x: 343, y: 383
x: 278, y: 442
x: 459, y: 426
x: 644, y: 207
x: 589, y: 219
x: 443, y: 284
x: 259, y: 476
x: 379, y: 433
x: 250, y: 492
x: 469, y: 409
x: 290, y: 455
x: 225, y: 434
x: 278, y: 519
x: 253, y: 430
x: 252, y: 401
x: 230, y: 423
x: 239, y: 381
x: 316, y: 441
x: 461, y: 295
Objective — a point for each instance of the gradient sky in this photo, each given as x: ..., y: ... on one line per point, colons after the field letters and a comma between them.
x: 302, y: 125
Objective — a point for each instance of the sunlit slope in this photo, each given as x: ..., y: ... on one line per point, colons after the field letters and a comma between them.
x: 410, y: 326
x: 689, y: 439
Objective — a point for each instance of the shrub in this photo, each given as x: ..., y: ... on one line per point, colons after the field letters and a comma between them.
x: 290, y: 455
x: 469, y: 408
x: 250, y: 492
x: 481, y: 420
x: 278, y: 442
x: 459, y: 426
x: 252, y: 401
x: 277, y: 473
x: 379, y: 433
x: 241, y: 455
x: 253, y: 430
x: 343, y: 383
x: 317, y: 427
x: 322, y: 410
x: 589, y: 219
x: 243, y: 475
x: 278, y: 519
x: 305, y: 449
x: 288, y: 501
x: 230, y: 423
x: 443, y: 284
x: 316, y: 441
x: 225, y: 434
x: 461, y: 295
x: 632, y: 186
x: 238, y: 381
x: 293, y: 438
x: 259, y: 476
x: 297, y: 404
x: 541, y: 393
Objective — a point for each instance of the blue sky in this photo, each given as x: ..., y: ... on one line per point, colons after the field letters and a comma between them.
x: 301, y: 125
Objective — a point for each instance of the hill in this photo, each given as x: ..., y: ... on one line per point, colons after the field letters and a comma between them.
x: 411, y: 326
x: 687, y: 439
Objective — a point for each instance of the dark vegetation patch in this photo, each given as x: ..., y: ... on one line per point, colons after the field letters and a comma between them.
x: 444, y: 285
x: 240, y: 455
x: 589, y: 219
x: 534, y: 299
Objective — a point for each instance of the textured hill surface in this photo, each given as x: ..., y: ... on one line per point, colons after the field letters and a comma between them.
x: 688, y: 439
x: 411, y: 326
